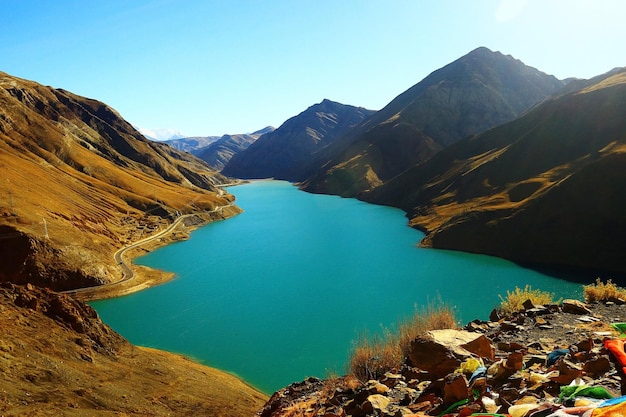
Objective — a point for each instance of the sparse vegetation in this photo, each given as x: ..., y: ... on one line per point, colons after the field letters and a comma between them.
x: 600, y: 292
x: 515, y: 300
x: 374, y: 355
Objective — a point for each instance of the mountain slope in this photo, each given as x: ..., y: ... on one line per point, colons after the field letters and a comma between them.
x: 544, y: 190
x: 79, y: 182
x: 282, y: 153
x: 219, y: 153
x: 470, y: 95
x: 59, y: 359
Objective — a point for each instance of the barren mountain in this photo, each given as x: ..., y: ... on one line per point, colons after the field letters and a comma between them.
x: 219, y: 153
x: 286, y: 152
x: 79, y: 182
x: 468, y: 96
x: 545, y: 190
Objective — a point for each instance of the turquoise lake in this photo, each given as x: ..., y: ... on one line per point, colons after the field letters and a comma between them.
x: 282, y: 291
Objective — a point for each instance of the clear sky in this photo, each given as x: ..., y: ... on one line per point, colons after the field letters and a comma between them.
x: 210, y: 67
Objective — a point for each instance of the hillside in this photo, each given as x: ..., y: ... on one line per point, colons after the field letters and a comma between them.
x: 58, y: 359
x: 478, y: 91
x: 79, y: 182
x: 284, y: 153
x: 219, y: 153
x: 545, y: 190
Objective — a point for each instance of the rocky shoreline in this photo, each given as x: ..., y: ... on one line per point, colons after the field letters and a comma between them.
x: 544, y: 360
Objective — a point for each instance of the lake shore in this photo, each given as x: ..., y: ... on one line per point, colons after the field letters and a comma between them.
x: 136, y: 277
x: 237, y: 281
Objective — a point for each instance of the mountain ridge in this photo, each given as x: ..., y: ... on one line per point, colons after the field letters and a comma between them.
x: 284, y: 152
x: 79, y: 180
x: 506, y: 187
x: 220, y: 152
x: 474, y: 93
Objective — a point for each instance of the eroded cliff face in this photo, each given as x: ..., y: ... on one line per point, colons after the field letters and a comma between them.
x: 58, y: 358
x: 79, y: 182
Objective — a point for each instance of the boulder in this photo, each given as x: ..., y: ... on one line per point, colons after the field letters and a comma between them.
x: 440, y: 352
x: 375, y: 403
x: 575, y: 307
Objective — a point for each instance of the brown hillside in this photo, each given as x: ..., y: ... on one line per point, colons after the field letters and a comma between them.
x: 545, y: 190
x: 79, y: 182
x: 58, y: 359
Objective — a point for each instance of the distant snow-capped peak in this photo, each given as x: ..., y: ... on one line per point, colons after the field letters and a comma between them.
x: 160, y: 134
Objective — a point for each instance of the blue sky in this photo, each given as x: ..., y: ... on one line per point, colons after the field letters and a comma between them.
x: 209, y: 67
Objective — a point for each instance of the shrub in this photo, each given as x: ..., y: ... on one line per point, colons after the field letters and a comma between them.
x: 601, y: 291
x: 373, y: 356
x: 514, y: 301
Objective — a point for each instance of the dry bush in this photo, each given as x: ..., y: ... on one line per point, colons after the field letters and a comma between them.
x: 433, y: 317
x: 514, y: 300
x: 600, y: 292
x: 373, y: 356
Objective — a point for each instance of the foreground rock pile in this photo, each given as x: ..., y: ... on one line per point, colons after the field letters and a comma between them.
x: 558, y: 360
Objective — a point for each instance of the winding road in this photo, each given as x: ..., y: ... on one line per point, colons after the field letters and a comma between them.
x: 127, y: 271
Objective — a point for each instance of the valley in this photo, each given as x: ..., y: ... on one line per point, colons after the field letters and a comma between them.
x: 486, y: 156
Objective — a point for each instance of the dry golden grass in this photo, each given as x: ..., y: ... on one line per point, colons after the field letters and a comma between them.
x: 85, y: 184
x: 515, y: 299
x: 601, y: 291
x: 373, y: 356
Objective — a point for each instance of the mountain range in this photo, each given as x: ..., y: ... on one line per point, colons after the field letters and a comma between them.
x: 482, y: 155
x: 544, y: 190
x: 470, y: 95
x: 485, y: 155
x: 190, y: 144
x: 219, y: 153
x: 283, y: 153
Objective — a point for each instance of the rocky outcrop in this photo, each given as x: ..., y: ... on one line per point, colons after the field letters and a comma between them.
x: 547, y: 358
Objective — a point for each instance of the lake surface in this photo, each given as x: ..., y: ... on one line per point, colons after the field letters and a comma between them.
x: 281, y: 292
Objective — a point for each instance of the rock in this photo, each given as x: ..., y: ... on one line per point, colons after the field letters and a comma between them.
x: 587, y: 319
x: 455, y: 389
x: 597, y: 366
x: 575, y: 307
x: 440, y: 352
x: 494, y: 315
x: 375, y: 402
x: 510, y: 346
x: 528, y: 368
x: 376, y: 387
x: 567, y: 372
x: 537, y: 311
x: 585, y: 345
